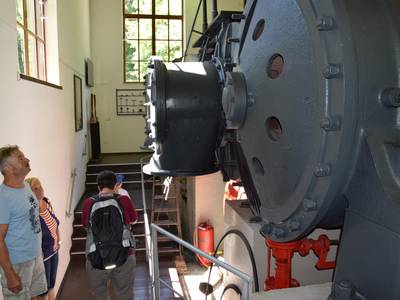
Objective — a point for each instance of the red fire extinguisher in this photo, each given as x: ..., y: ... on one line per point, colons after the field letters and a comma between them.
x: 205, y: 242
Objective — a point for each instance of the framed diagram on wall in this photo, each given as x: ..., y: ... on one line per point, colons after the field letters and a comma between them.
x: 130, y: 102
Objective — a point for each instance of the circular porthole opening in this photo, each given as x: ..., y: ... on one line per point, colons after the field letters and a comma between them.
x: 258, y: 167
x: 258, y: 30
x: 274, y: 128
x: 275, y: 66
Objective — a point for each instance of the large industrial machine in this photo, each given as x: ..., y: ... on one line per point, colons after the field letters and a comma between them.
x: 301, y: 101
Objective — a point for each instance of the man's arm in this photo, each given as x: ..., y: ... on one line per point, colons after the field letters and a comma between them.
x: 130, y: 213
x: 85, y: 212
x: 13, y: 280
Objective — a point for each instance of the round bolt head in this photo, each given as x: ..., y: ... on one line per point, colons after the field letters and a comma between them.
x: 250, y: 99
x: 344, y: 290
x: 322, y: 170
x: 390, y: 97
x: 309, y: 205
x: 331, y: 71
x: 325, y: 23
x: 331, y: 123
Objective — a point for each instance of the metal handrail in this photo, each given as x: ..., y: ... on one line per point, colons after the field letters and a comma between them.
x: 147, y: 237
x: 68, y: 210
x: 155, y: 267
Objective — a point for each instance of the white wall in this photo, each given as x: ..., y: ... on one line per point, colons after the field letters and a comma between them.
x: 117, y: 133
x: 209, y: 195
x: 40, y: 119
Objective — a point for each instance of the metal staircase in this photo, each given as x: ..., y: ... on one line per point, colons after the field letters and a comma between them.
x: 165, y: 212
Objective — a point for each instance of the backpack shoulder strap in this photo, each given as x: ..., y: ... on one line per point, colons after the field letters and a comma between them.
x: 95, y: 198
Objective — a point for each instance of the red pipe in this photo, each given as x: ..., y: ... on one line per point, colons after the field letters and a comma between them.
x: 283, y: 254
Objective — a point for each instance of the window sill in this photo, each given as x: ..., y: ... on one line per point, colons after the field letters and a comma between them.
x: 33, y: 79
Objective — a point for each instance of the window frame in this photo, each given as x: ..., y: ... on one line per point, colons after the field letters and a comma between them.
x: 28, y: 33
x: 153, y: 17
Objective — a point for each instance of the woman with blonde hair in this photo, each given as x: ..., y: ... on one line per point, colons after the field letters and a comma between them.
x: 50, y: 236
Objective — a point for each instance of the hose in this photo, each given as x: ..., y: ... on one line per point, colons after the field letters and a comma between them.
x: 247, y: 244
x: 231, y: 286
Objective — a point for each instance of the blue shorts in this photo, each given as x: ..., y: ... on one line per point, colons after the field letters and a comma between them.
x: 50, y: 267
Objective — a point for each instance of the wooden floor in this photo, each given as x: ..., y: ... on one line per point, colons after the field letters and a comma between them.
x: 76, y: 285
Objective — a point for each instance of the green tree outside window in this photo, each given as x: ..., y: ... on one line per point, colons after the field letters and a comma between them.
x: 151, y: 27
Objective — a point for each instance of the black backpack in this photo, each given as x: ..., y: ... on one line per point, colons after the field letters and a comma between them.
x: 108, y: 239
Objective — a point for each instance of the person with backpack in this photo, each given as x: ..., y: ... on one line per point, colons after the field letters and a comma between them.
x: 109, y: 244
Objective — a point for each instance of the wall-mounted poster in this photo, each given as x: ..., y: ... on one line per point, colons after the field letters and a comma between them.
x: 130, y: 102
x: 78, y: 103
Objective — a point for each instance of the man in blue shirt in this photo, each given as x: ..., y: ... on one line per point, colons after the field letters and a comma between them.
x: 21, y: 263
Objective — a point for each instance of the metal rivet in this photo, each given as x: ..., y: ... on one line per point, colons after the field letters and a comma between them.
x: 332, y: 71
x: 331, y: 123
x: 250, y: 99
x: 390, y: 97
x: 309, y: 205
x: 322, y: 170
x: 343, y: 290
x: 325, y: 23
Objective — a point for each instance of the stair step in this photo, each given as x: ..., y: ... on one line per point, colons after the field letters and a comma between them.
x: 164, y: 239
x: 162, y: 197
x: 168, y: 250
x: 124, y: 173
x: 165, y: 222
x: 78, y: 245
x: 128, y: 176
x: 79, y: 232
x: 164, y: 210
x: 126, y: 182
x: 113, y: 164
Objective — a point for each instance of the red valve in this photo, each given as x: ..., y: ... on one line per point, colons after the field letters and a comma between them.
x: 283, y: 254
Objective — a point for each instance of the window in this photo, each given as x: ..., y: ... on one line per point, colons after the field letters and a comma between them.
x: 151, y: 27
x: 31, y: 38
